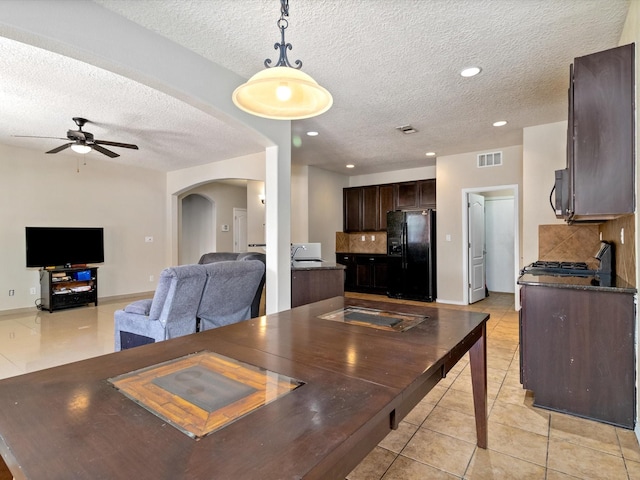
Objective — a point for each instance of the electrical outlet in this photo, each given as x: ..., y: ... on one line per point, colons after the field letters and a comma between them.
x: 373, y: 238
x: 151, y: 278
x: 148, y: 239
x: 622, y: 236
x: 363, y: 238
x: 12, y: 292
x: 32, y: 290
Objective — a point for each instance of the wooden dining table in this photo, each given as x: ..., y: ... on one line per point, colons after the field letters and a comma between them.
x: 356, y: 382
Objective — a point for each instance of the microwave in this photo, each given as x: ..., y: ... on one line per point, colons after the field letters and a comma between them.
x: 561, y: 187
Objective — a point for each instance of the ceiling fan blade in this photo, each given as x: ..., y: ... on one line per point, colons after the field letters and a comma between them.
x: 35, y: 136
x: 60, y: 148
x: 116, y: 144
x: 104, y: 151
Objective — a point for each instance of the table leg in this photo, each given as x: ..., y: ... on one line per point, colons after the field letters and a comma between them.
x: 478, y: 361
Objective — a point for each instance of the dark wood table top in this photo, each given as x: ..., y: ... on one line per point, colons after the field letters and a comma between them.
x: 70, y: 422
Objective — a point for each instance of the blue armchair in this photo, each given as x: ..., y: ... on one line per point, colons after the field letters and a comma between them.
x: 171, y: 313
x: 243, y: 256
x: 229, y: 292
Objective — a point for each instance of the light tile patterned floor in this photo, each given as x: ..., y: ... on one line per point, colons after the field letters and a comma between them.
x: 435, y: 441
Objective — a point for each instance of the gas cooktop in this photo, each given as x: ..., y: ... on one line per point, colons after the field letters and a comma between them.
x: 558, y: 268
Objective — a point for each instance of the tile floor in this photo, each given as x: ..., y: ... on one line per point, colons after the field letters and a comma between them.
x: 435, y: 441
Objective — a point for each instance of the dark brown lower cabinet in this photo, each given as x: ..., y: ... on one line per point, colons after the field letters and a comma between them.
x: 577, y: 352
x: 364, y: 272
x: 315, y: 284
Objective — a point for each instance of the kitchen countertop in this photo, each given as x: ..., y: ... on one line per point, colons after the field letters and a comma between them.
x: 614, y: 284
x: 314, y: 265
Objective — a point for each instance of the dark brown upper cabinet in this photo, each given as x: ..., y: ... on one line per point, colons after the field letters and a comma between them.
x: 365, y: 208
x: 416, y: 195
x: 360, y: 209
x: 352, y: 203
x: 386, y: 203
x: 600, y: 150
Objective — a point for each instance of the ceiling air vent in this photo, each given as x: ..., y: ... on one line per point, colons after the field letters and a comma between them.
x: 406, y: 129
x: 493, y: 159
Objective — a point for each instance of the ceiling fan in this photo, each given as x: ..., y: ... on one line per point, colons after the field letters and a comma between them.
x: 83, y: 142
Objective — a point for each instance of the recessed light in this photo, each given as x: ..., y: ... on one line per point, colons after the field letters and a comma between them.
x: 470, y: 71
x: 350, y: 166
x: 312, y: 134
x: 430, y: 154
x: 501, y: 123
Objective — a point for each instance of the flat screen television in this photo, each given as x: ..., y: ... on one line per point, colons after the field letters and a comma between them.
x: 56, y: 246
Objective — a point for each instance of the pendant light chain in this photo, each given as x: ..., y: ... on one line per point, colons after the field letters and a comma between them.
x: 283, y: 23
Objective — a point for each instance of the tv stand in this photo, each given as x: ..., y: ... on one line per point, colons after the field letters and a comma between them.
x: 68, y: 287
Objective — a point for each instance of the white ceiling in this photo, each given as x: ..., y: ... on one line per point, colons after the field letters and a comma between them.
x: 387, y: 63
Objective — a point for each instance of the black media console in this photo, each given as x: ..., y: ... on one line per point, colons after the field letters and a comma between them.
x: 68, y: 287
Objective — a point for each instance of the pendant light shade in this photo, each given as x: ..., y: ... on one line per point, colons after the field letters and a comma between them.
x: 282, y: 93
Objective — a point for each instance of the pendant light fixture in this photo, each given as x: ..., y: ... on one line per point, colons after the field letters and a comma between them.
x: 282, y: 92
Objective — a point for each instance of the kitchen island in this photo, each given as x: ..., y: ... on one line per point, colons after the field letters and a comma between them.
x: 577, y: 350
x: 315, y: 280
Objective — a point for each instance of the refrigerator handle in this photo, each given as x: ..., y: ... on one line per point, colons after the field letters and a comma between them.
x: 404, y: 245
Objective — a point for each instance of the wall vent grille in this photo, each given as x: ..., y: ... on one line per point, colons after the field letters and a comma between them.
x: 493, y: 159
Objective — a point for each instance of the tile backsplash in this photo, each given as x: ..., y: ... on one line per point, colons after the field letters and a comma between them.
x: 361, y: 242
x: 579, y: 243
x: 625, y: 254
x: 569, y: 243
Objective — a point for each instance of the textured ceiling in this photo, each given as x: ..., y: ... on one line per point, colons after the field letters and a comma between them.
x: 387, y: 63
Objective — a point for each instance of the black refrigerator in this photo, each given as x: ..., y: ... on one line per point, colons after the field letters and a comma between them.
x: 411, y: 250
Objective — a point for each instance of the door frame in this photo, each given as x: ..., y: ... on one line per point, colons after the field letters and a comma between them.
x: 465, y: 237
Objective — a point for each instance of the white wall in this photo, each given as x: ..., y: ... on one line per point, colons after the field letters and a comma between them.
x: 544, y: 150
x: 455, y: 173
x: 325, y: 209
x: 421, y: 173
x: 225, y: 198
x: 47, y: 190
x: 499, y: 235
x: 255, y: 214
x: 299, y: 204
x: 197, y: 228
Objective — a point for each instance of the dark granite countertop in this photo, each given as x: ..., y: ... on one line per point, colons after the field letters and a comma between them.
x: 314, y: 265
x: 604, y: 284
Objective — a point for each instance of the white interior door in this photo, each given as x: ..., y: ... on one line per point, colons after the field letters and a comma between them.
x: 476, y: 250
x: 240, y: 230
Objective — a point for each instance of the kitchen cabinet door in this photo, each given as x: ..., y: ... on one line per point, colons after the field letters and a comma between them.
x: 369, y: 209
x: 352, y: 204
x: 602, y: 164
x: 350, y: 272
x: 385, y: 204
x: 577, y: 351
x: 427, y: 192
x: 407, y: 196
x: 371, y: 273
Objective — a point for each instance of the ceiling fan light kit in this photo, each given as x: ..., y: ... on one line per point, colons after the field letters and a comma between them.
x: 78, y: 148
x: 282, y: 92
